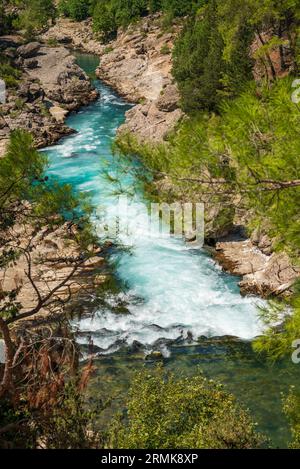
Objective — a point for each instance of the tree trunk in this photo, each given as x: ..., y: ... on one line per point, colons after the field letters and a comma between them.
x: 271, y: 65
x: 281, y: 51
x: 7, y: 380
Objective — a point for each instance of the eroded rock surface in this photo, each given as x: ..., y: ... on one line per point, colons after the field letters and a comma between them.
x: 50, y: 87
x: 61, y: 79
x: 138, y: 66
x: 50, y: 266
x: 76, y: 35
x: 265, y: 274
x: 28, y: 50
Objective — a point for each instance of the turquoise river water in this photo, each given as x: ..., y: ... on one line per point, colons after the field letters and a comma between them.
x: 175, y: 296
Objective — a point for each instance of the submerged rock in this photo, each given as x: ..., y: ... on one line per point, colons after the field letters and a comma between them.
x: 155, y: 355
x: 135, y: 347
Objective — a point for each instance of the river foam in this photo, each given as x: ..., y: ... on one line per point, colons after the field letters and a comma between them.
x: 172, y: 291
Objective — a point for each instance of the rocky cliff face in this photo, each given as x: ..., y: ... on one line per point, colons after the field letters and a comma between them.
x: 51, y: 250
x: 138, y: 66
x: 263, y: 271
x: 76, y: 35
x: 51, y: 86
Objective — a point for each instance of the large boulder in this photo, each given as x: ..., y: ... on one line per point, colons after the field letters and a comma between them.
x: 265, y: 275
x: 58, y: 113
x: 29, y: 50
x: 169, y: 98
x: 30, y: 92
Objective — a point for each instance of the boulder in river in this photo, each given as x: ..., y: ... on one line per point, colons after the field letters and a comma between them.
x: 154, y: 355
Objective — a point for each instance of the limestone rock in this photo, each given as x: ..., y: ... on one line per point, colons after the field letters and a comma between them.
x: 149, y: 124
x: 79, y: 35
x: 29, y: 50
x: 155, y: 355
x: 3, y: 146
x: 99, y: 280
x: 49, y: 268
x: 58, y: 113
x: 138, y: 70
x: 169, y: 98
x: 262, y: 274
x: 30, y: 63
x: 93, y: 262
x: 61, y: 78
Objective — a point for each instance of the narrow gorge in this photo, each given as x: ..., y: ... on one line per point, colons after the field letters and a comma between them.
x: 175, y: 104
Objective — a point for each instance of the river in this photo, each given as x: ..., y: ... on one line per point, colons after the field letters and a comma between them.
x: 167, y: 296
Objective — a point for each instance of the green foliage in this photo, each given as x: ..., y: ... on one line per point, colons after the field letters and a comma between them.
x: 262, y: 132
x: 69, y: 425
x: 104, y: 20
x: 9, y: 73
x: 20, y: 436
x: 109, y: 15
x: 155, y: 5
x: 255, y: 139
x: 177, y: 8
x: 48, y: 411
x: 202, y: 68
x: 277, y: 343
x: 212, y: 57
x: 6, y: 18
x: 35, y: 15
x: 2, y: 20
x: 52, y: 42
x: 66, y: 424
x: 165, y: 50
x: 77, y: 10
x: 292, y: 411
x: 22, y: 178
x: 164, y: 412
x: 21, y: 167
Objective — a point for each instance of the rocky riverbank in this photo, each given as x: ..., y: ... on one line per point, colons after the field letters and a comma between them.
x: 50, y: 86
x: 263, y: 271
x: 138, y: 65
x: 51, y: 265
